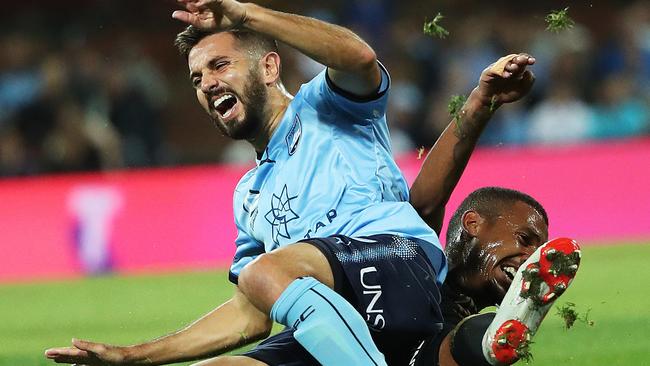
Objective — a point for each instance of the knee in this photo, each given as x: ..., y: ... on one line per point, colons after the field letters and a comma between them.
x: 263, y: 280
x: 251, y: 276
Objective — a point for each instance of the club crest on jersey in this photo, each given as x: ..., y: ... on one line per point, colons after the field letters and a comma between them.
x: 293, y: 137
x: 281, y: 214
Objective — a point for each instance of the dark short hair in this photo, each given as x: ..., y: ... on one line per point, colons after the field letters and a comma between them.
x: 256, y: 44
x: 489, y: 202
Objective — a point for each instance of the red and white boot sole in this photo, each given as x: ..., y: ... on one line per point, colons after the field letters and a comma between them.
x: 538, y: 283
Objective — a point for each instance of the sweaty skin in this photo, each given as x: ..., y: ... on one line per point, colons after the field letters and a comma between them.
x: 506, y: 240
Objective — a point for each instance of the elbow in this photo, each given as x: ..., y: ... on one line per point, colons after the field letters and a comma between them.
x: 423, y: 201
x: 424, y: 210
x: 357, y: 55
x: 432, y: 212
x: 366, y: 59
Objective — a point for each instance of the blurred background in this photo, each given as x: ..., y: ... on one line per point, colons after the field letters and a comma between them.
x: 116, y: 191
x: 97, y: 85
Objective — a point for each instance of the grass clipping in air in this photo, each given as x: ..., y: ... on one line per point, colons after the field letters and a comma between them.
x: 569, y: 315
x: 523, y: 351
x: 420, y: 152
x: 559, y: 20
x: 454, y: 107
x: 434, y: 29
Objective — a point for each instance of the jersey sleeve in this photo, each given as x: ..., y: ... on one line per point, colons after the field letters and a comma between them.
x: 323, y: 95
x: 247, y: 247
x: 247, y: 250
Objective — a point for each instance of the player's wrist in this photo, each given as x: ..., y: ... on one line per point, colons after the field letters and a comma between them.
x: 134, y: 355
x: 473, y: 117
x: 252, y: 15
x: 480, y: 104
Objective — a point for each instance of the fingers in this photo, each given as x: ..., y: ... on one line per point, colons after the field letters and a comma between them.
x: 191, y: 5
x: 97, y: 348
x: 66, y: 355
x: 204, y: 4
x: 517, y: 65
x: 184, y: 16
x: 65, y: 351
x: 189, y: 15
x: 83, y: 352
x: 527, y: 81
x: 524, y: 59
x: 497, y: 69
x: 215, y: 3
x: 511, y: 68
x: 207, y: 2
x: 513, y: 64
x: 196, y: 14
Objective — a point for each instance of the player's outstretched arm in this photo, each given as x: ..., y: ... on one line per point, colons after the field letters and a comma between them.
x: 505, y: 81
x: 235, y: 323
x: 352, y: 63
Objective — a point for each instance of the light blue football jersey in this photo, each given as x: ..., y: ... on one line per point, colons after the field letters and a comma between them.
x: 327, y: 170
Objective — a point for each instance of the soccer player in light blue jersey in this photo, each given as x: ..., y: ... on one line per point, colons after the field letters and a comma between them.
x: 325, y: 209
x: 328, y: 244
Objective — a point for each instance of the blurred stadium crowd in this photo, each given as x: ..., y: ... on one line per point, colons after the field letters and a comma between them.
x: 97, y: 85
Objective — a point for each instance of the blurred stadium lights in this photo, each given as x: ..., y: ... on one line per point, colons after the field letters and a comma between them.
x: 96, y: 85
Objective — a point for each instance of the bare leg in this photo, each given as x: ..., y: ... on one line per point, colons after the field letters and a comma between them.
x: 294, y: 285
x: 264, y: 279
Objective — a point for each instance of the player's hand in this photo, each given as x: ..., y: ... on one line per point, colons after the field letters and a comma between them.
x: 88, y: 353
x: 506, y: 80
x: 212, y: 15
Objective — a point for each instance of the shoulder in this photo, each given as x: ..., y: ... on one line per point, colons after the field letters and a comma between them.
x: 322, y: 87
x: 244, y: 183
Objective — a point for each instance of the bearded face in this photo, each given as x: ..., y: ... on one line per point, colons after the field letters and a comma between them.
x: 228, y: 85
x: 240, y: 115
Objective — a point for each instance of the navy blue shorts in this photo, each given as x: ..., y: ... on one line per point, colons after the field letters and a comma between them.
x: 392, y: 284
x: 282, y: 349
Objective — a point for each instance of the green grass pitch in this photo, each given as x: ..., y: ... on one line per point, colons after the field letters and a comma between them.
x: 613, y: 282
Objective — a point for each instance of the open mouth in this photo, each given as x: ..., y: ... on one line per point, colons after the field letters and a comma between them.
x: 224, y: 105
x: 509, y: 271
x: 506, y: 273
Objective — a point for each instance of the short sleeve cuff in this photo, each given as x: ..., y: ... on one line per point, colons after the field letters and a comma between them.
x: 381, y: 90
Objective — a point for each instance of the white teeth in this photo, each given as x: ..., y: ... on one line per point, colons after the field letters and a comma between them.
x: 221, y: 99
x: 510, y: 270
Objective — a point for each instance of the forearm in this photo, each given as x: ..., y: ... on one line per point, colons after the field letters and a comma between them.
x: 333, y: 46
x: 233, y: 324
x: 504, y: 81
x: 444, y: 354
x: 447, y: 160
